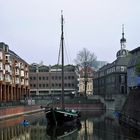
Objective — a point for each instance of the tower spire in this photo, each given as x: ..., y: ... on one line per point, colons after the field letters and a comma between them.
x: 123, y: 40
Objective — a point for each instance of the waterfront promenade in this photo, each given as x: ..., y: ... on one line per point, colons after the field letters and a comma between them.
x: 7, y: 112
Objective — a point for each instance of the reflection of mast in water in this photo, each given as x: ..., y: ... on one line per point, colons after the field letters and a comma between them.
x: 85, y: 124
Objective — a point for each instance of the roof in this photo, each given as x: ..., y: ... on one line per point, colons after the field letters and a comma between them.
x: 15, y: 55
x: 135, y: 50
x: 120, y: 61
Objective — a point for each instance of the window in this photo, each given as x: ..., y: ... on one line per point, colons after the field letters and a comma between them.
x: 65, y: 78
x: 65, y: 84
x: 72, y: 77
x: 122, y: 78
x: 122, y: 68
x: 122, y: 89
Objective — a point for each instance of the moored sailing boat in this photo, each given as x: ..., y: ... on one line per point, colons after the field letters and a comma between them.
x: 62, y: 116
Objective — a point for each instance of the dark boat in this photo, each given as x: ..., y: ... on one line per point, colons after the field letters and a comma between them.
x: 62, y: 116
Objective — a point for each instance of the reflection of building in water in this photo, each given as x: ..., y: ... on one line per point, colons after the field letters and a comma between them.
x: 38, y: 132
x: 86, y: 131
x: 35, y: 131
x: 17, y: 132
x: 38, y: 129
x: 108, y: 129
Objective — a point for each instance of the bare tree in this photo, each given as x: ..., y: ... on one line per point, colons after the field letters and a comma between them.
x: 84, y: 60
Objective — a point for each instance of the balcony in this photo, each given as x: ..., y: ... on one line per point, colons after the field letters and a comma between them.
x: 27, y: 83
x: 26, y: 75
x: 17, y: 81
x: 8, y: 71
x: 1, y: 78
x: 7, y: 61
x: 22, y: 82
x: 22, y: 67
x: 26, y: 69
x: 1, y: 55
x: 17, y: 65
x: 22, y: 73
x: 8, y: 80
x: 1, y: 68
x: 17, y: 73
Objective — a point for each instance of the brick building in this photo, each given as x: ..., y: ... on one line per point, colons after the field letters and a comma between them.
x: 45, y: 80
x: 14, y: 81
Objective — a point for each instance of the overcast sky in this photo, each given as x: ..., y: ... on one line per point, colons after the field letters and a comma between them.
x: 31, y: 28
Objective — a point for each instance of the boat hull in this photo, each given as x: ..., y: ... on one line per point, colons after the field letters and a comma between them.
x: 62, y: 117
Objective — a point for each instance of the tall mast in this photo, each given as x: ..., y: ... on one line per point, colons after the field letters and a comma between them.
x: 62, y: 47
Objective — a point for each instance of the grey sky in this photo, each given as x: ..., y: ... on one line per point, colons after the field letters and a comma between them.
x: 31, y: 28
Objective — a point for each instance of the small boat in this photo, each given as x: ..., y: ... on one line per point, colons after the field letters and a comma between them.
x: 62, y: 116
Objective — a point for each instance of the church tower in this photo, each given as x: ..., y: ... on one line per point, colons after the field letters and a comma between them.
x: 122, y: 52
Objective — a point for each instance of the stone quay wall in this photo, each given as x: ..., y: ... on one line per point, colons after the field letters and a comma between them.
x: 7, y: 112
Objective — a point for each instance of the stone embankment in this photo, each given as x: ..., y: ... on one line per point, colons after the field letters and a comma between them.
x: 130, y: 114
x: 7, y: 112
x: 97, y: 106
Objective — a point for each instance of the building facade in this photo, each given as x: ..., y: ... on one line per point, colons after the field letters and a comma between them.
x: 133, y: 77
x: 46, y: 80
x: 89, y: 79
x: 112, y: 78
x: 14, y: 76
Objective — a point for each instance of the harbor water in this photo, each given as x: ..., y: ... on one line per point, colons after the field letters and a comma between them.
x: 95, y: 125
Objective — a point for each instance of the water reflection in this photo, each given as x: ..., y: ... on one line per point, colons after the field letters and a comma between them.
x: 104, y: 126
x: 61, y: 133
x: 15, y: 133
x: 96, y: 125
